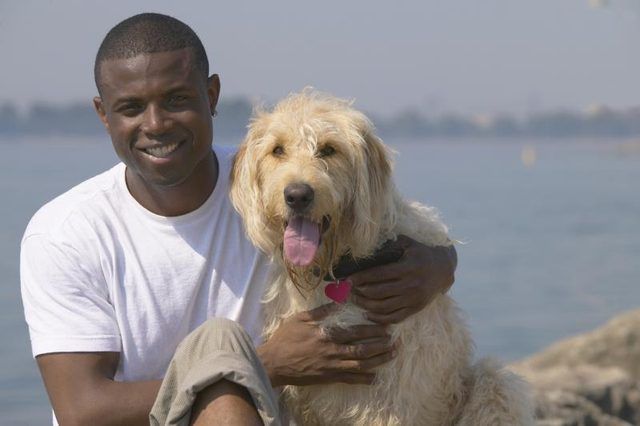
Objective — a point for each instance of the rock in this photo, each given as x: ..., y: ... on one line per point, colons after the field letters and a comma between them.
x: 590, y: 379
x: 616, y: 344
x: 568, y: 409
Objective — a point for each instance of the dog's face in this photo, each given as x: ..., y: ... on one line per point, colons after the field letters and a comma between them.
x: 311, y: 182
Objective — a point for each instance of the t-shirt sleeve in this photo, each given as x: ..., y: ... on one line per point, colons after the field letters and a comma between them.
x: 66, y: 301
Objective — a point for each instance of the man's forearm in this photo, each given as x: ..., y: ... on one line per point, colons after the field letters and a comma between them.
x: 110, y: 403
x: 82, y: 390
x: 130, y: 404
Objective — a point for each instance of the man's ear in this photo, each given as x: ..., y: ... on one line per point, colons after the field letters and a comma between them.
x: 102, y: 114
x: 213, y: 91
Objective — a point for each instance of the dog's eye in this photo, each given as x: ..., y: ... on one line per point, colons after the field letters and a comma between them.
x: 326, y: 151
x: 278, y: 151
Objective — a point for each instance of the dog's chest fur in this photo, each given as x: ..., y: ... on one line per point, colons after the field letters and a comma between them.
x: 423, y: 384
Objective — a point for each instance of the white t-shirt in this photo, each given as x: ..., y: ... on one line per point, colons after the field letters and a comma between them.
x: 101, y: 273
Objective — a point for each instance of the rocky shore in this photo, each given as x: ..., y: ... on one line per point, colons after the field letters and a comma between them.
x: 589, y: 379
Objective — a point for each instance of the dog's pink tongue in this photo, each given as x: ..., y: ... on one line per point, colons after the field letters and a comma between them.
x: 301, y: 240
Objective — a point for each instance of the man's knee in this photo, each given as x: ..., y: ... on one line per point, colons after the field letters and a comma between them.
x: 224, y: 329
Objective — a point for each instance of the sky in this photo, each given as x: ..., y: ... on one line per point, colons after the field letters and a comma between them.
x: 467, y: 56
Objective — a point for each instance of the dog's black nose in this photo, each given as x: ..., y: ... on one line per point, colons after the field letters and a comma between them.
x: 298, y: 196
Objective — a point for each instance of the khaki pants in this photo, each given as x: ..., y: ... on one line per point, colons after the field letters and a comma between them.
x: 218, y: 349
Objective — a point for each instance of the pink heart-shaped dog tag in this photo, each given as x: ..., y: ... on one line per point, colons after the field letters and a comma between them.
x: 338, y: 291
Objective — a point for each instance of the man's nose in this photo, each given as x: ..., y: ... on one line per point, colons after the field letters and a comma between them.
x: 155, y: 120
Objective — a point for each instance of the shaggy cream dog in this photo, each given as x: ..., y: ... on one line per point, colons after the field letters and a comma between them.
x: 312, y: 183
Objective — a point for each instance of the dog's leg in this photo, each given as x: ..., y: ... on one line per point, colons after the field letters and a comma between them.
x: 497, y: 397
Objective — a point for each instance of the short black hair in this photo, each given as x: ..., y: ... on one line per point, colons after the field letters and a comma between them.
x: 149, y: 33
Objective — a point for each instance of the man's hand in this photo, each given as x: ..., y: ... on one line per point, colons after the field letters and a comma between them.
x: 392, y: 292
x: 300, y: 353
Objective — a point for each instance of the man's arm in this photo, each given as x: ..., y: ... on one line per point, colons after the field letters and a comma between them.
x: 62, y: 298
x: 82, y: 390
x: 393, y: 292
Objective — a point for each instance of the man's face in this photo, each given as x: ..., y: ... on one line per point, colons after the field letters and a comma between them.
x: 157, y: 109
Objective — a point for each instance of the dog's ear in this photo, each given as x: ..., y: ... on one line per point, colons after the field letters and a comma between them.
x: 244, y: 173
x: 245, y: 190
x: 378, y: 165
x: 373, y: 203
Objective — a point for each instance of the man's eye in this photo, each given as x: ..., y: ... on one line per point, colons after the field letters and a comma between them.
x: 177, y: 99
x: 326, y: 151
x: 278, y: 151
x: 130, y: 109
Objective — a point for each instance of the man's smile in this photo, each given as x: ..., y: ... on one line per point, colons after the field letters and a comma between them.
x: 162, y: 151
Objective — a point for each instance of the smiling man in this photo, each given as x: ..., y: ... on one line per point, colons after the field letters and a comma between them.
x: 122, y: 274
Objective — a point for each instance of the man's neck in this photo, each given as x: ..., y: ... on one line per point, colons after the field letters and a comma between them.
x: 179, y: 199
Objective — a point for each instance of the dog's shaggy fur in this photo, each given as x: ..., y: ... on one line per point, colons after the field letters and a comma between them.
x: 323, y: 142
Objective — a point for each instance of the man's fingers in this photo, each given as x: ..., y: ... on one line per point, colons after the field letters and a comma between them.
x: 357, y: 333
x: 362, y: 365
x: 392, y: 318
x: 383, y: 306
x: 364, y: 351
x: 379, y: 274
x: 381, y: 290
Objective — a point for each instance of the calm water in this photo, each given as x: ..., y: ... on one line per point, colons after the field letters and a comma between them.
x: 550, y: 250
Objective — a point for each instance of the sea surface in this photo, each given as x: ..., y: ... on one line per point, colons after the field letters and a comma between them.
x: 549, y: 232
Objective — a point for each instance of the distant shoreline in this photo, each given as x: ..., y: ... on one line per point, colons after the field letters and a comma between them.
x: 234, y: 114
